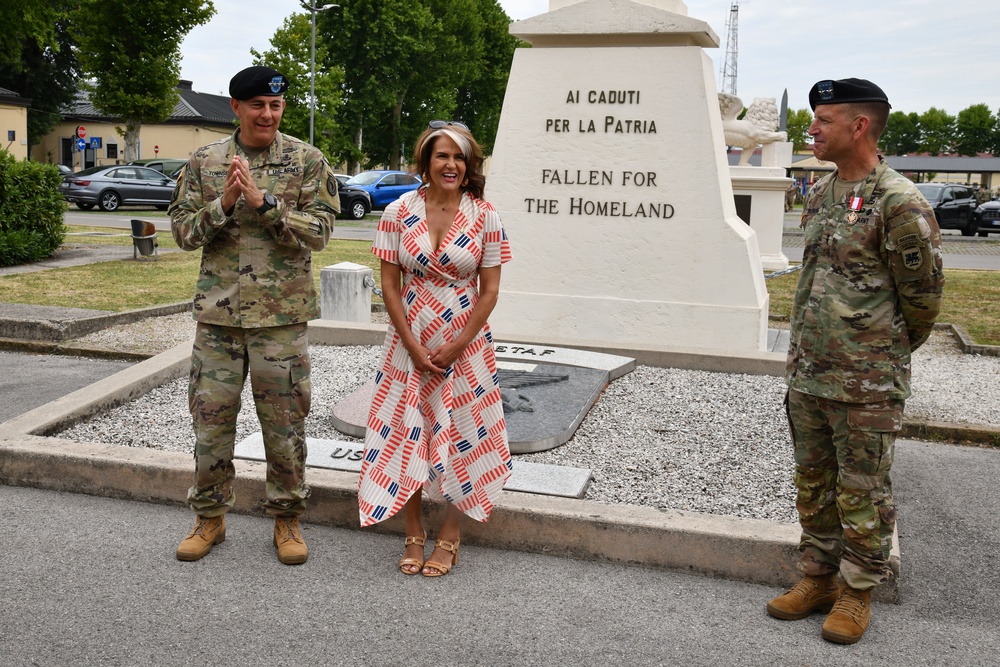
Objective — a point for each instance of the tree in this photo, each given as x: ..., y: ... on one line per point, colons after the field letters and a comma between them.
x: 481, y: 99
x: 407, y: 62
x: 132, y: 51
x: 901, y: 134
x: 25, y: 23
x: 290, y: 55
x: 799, y: 121
x: 46, y: 74
x: 937, y: 131
x: 975, y: 128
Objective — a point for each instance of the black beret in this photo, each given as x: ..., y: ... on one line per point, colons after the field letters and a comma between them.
x: 844, y: 91
x: 257, y: 80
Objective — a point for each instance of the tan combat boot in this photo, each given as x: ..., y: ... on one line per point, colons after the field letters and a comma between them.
x: 292, y: 549
x: 207, y: 532
x: 809, y: 595
x: 849, y: 618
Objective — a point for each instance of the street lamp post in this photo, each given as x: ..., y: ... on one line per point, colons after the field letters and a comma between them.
x: 313, y: 9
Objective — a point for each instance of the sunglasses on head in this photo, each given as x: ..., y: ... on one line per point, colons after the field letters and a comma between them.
x: 439, y: 124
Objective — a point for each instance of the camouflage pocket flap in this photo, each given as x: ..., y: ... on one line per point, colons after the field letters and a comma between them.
x: 875, y: 420
x: 908, y: 230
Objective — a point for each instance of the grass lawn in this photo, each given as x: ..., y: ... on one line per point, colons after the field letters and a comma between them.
x: 972, y: 298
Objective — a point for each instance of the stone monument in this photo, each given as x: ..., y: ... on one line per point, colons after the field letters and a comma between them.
x: 611, y: 175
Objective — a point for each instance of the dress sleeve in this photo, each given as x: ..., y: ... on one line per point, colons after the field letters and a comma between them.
x: 386, y: 243
x: 496, y: 248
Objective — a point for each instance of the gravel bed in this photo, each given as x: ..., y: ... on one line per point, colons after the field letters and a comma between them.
x: 663, y: 438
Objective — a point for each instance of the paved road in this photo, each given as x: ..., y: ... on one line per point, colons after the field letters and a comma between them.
x: 29, y: 381
x: 92, y: 581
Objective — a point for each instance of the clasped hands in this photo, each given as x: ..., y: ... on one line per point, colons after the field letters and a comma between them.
x: 240, y: 182
x: 437, y: 360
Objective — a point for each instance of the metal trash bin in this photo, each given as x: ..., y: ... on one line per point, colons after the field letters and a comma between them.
x: 144, y: 240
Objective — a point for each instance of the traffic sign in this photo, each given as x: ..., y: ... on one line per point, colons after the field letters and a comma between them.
x: 81, y: 144
x: 81, y: 131
x: 95, y: 142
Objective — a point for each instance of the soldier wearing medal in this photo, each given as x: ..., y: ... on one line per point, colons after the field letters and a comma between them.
x: 257, y: 204
x: 867, y: 297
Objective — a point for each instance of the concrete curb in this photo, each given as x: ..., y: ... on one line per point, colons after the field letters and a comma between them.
x: 743, y: 549
x: 965, y: 341
x: 65, y: 328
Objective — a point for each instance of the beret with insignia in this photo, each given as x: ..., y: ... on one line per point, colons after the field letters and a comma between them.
x: 257, y: 80
x: 845, y: 91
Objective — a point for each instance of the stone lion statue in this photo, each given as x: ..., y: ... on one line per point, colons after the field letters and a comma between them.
x: 759, y: 125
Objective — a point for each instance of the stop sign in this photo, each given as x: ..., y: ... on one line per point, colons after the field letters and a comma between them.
x: 81, y: 131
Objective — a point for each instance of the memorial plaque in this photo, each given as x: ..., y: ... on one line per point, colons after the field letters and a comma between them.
x: 547, y: 393
x: 526, y: 477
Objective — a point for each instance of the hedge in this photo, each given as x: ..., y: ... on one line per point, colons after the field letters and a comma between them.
x: 31, y: 210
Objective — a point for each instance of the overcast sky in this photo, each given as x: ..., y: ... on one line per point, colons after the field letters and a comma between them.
x: 923, y: 53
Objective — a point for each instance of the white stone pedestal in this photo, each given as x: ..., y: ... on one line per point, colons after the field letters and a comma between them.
x: 610, y: 173
x: 343, y: 293
x: 766, y: 186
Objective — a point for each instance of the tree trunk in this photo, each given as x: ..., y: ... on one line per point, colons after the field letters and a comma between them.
x: 354, y: 167
x: 397, y: 121
x: 132, y: 127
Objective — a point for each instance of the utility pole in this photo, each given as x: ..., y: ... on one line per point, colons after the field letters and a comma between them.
x: 313, y: 10
x: 727, y: 72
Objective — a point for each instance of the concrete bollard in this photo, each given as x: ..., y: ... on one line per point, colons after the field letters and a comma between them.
x: 343, y: 294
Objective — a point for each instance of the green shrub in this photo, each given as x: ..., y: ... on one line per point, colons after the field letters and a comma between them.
x: 31, y: 210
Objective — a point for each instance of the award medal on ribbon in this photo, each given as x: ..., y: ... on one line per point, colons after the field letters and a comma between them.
x: 855, y: 206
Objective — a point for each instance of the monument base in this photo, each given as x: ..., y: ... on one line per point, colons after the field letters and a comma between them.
x: 765, y: 187
x: 622, y: 323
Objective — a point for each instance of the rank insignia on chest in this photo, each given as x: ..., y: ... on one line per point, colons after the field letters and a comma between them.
x: 912, y: 259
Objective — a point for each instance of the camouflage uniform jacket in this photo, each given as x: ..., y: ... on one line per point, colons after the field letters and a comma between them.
x: 869, y: 291
x: 256, y: 270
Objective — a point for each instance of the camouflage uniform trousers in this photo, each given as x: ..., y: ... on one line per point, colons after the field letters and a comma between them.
x: 277, y: 360
x: 843, y: 453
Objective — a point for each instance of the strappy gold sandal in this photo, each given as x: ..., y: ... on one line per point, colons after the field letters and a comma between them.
x: 417, y: 562
x: 442, y: 569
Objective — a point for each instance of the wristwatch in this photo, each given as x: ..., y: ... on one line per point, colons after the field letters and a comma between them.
x: 269, y: 203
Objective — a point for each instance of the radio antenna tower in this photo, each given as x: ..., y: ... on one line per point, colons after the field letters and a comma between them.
x: 727, y: 72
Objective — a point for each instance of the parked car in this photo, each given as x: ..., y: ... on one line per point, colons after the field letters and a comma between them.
x: 355, y: 203
x: 988, y: 218
x: 342, y: 178
x: 954, y: 205
x: 114, y: 186
x: 384, y: 186
x: 167, y: 165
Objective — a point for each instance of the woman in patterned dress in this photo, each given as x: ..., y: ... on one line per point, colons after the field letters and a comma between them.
x: 436, y: 421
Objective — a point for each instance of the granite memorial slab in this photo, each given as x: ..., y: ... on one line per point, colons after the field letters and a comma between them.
x: 547, y: 391
x: 526, y: 477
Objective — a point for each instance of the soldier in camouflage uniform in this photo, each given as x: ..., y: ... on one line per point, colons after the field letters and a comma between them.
x: 867, y: 297
x: 257, y: 204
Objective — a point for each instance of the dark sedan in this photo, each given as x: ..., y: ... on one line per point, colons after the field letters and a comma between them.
x: 111, y: 187
x: 988, y: 218
x: 355, y: 203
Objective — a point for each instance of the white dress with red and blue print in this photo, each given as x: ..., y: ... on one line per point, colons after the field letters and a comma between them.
x: 443, y: 433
